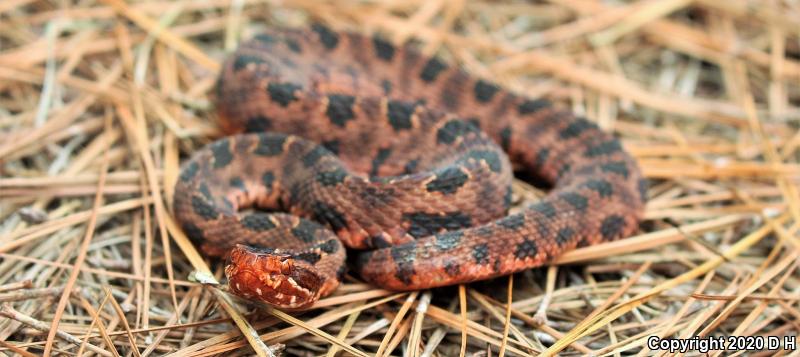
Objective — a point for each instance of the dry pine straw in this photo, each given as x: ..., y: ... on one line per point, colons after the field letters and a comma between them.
x: 99, y: 101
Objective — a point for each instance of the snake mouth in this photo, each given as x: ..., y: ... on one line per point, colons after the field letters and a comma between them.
x: 272, y: 277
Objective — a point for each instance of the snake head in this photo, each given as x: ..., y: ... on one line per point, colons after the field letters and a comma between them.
x: 274, y: 278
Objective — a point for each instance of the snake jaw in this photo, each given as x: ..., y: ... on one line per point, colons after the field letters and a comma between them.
x: 271, y: 277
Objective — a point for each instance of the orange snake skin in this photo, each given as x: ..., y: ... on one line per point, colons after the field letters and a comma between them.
x: 402, y: 158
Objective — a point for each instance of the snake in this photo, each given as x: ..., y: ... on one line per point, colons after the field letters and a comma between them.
x: 338, y: 141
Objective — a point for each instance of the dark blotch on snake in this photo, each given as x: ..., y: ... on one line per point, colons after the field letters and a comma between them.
x: 403, y: 257
x: 257, y: 222
x: 602, y: 187
x: 453, y: 129
x: 328, y: 38
x: 604, y: 148
x: 448, y: 240
x: 532, y: 106
x: 432, y: 69
x: 340, y: 109
x: 512, y: 222
x: 576, y: 128
x: 203, y: 209
x: 189, y: 171
x: 305, y: 230
x: 526, y: 249
x: 447, y: 181
x: 331, y: 178
x: 282, y: 93
x: 576, y: 200
x: 258, y: 124
x: 270, y: 145
x: 222, y: 153
x: 564, y: 235
x: 617, y: 167
x: 399, y: 114
x: 424, y: 224
x: 384, y: 49
x: 612, y: 226
x: 484, y: 91
x: 480, y: 253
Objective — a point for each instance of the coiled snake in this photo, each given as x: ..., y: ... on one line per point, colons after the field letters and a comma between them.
x: 399, y: 156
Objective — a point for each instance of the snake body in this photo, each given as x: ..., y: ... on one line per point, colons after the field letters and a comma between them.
x: 404, y: 159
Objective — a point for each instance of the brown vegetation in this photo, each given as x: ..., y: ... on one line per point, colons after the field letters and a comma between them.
x: 99, y: 101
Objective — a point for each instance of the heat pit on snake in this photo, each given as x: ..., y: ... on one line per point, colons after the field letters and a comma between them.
x: 271, y: 277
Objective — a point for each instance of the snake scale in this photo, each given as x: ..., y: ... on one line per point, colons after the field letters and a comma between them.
x: 341, y: 139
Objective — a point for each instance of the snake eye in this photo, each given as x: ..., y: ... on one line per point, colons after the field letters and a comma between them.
x: 274, y: 278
